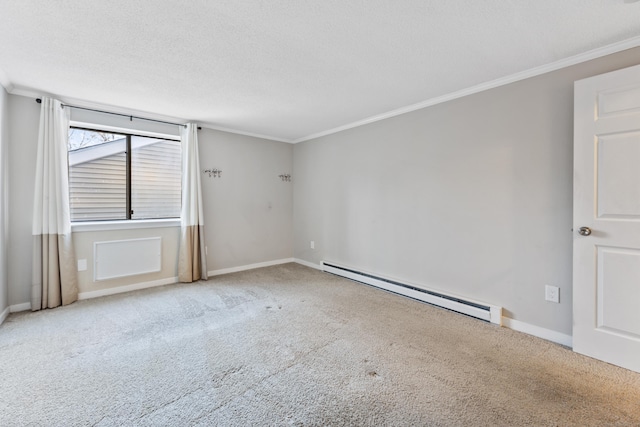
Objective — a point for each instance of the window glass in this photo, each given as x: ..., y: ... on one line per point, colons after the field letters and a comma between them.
x: 105, y: 185
x: 155, y: 178
x: 97, y: 175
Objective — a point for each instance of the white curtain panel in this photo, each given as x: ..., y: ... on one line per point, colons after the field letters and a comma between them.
x: 192, y: 262
x: 54, y: 277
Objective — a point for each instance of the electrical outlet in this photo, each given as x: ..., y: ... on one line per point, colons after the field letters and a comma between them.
x: 552, y: 293
x: 313, y: 245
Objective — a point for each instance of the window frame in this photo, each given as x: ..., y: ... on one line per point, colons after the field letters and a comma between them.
x: 128, y: 222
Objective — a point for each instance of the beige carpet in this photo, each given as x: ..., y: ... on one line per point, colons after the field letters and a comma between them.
x: 288, y: 345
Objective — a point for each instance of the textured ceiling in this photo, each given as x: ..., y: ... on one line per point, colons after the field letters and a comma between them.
x: 288, y: 69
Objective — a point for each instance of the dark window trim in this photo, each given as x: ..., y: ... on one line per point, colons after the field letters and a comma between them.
x: 128, y: 209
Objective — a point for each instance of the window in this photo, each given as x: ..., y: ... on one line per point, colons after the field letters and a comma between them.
x: 117, y: 176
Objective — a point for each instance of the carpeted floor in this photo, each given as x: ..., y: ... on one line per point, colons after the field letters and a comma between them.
x: 288, y: 345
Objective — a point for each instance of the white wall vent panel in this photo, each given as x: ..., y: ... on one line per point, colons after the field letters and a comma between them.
x: 121, y: 258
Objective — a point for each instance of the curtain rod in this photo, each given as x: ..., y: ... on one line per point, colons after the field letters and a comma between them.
x: 39, y: 101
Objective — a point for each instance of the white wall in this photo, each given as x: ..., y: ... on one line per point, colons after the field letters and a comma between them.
x: 472, y: 196
x: 4, y: 143
x: 248, y: 212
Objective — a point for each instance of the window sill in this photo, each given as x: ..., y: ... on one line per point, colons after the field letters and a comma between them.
x: 79, y: 227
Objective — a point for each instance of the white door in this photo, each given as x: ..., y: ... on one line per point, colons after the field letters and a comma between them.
x: 606, y: 262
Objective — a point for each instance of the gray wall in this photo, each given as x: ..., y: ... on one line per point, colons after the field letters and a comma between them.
x: 472, y: 196
x: 24, y: 115
x: 4, y: 144
x: 248, y: 212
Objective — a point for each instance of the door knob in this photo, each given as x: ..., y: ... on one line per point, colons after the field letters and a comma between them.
x: 584, y: 231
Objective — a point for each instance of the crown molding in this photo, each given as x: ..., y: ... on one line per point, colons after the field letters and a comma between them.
x: 536, y: 71
x: 5, y: 82
x: 33, y: 93
x: 532, y: 72
x: 214, y: 126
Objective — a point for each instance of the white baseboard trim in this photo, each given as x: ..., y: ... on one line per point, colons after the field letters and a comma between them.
x: 25, y: 306
x: 516, y: 325
x: 154, y: 283
x: 249, y: 267
x: 537, y: 331
x: 4, y: 315
x: 127, y: 288
x: 307, y: 264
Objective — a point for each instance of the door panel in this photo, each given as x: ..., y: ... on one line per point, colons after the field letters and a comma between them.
x: 606, y: 262
x: 617, y: 291
x: 620, y: 100
x: 618, y: 176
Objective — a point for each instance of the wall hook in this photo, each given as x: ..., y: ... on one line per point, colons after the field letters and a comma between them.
x: 216, y: 173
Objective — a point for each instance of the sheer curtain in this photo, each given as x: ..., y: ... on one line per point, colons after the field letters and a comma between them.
x: 192, y: 262
x: 54, y: 278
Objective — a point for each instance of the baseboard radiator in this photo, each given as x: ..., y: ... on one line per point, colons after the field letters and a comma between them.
x: 486, y: 312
